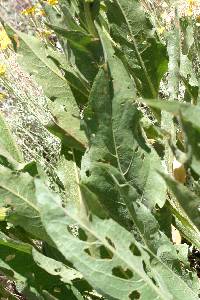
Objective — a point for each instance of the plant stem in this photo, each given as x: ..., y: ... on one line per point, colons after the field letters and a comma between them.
x: 89, y: 19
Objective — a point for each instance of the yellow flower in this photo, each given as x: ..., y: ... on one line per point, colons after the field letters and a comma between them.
x: 2, y: 70
x: 4, y: 40
x: 2, y: 96
x: 3, y: 213
x: 189, y: 12
x: 191, y: 2
x: 161, y: 29
x: 29, y: 11
x: 52, y: 2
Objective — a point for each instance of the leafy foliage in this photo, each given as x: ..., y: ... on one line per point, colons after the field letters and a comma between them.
x: 98, y: 224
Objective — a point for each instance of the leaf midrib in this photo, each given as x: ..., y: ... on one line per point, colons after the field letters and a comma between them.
x: 19, y: 196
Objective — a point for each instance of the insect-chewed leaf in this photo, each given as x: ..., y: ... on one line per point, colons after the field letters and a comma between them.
x: 81, y: 257
x: 55, y: 268
x: 122, y: 268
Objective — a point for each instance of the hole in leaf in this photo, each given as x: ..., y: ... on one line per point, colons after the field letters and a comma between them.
x: 57, y: 270
x: 73, y: 230
x: 53, y: 98
x: 105, y: 253
x: 87, y: 251
x: 87, y: 173
x: 110, y: 242
x: 144, y: 266
x: 153, y: 280
x: 101, y: 160
x: 82, y: 235
x: 142, y: 156
x: 135, y: 250
x: 136, y: 149
x: 134, y: 295
x: 120, y: 272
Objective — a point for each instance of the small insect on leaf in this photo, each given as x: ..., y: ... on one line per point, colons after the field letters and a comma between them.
x: 2, y: 97
x: 3, y: 213
x: 2, y: 70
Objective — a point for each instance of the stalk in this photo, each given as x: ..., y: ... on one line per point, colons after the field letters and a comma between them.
x: 89, y: 19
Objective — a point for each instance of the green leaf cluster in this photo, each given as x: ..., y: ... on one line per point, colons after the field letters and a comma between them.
x: 107, y: 231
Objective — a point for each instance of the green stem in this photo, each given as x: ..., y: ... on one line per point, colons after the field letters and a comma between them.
x: 89, y: 19
x: 173, y: 85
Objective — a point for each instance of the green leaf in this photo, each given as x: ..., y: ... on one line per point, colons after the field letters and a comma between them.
x: 115, y: 136
x: 42, y: 62
x: 32, y: 281
x: 8, y: 143
x: 86, y: 49
x: 189, y: 119
x: 37, y: 59
x: 15, y: 244
x: 56, y: 268
x: 92, y: 203
x: 17, y: 192
x: 186, y: 69
x: 189, y: 113
x: 126, y: 270
x: 66, y: 125
x: 68, y: 172
x: 145, y: 56
x: 188, y: 201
